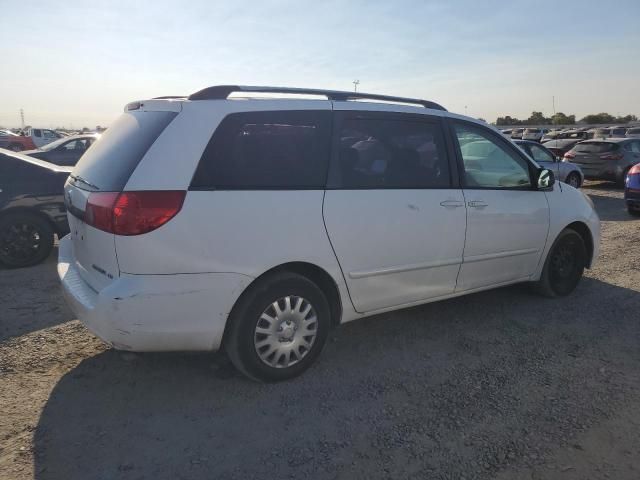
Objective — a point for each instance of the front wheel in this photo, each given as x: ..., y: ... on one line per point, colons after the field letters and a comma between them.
x: 633, y: 211
x: 278, y: 327
x: 564, y: 265
x: 573, y: 179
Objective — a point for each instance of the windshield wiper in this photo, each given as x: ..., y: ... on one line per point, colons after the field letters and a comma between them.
x: 78, y: 178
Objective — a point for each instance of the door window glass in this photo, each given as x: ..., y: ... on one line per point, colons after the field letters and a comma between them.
x: 381, y: 153
x: 539, y: 154
x: 488, y: 163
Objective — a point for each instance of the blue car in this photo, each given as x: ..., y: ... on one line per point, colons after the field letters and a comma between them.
x: 632, y: 190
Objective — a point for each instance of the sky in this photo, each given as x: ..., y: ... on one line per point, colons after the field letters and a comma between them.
x: 75, y: 64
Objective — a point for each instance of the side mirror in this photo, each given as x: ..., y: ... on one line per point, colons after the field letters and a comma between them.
x: 546, y: 180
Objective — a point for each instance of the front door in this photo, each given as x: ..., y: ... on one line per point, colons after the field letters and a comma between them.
x: 507, y: 218
x: 394, y: 218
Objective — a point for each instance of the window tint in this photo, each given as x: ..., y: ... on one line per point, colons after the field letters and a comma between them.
x: 37, y: 132
x: 595, y: 147
x: 112, y: 160
x: 539, y: 154
x: 633, y: 147
x: 487, y: 162
x: 267, y: 150
x: 390, y: 153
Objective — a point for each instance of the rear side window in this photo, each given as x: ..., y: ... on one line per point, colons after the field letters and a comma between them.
x: 595, y: 147
x: 109, y: 162
x: 267, y: 150
x: 390, y: 153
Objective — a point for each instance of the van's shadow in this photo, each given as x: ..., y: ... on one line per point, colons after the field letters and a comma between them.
x: 379, y: 384
x: 31, y: 299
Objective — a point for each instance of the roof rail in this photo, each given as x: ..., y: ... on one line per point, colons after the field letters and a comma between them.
x: 221, y: 92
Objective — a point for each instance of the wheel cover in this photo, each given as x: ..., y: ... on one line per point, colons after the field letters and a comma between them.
x: 565, y: 265
x: 285, y: 331
x: 20, y: 242
x: 574, y: 181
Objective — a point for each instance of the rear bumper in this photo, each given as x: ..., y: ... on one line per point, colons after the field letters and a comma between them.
x: 153, y: 312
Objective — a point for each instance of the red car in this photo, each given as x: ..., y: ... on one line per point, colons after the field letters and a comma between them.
x: 17, y: 143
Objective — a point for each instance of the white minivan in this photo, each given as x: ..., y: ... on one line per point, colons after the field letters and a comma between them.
x: 255, y: 224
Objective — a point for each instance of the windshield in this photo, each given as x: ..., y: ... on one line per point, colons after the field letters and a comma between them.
x: 53, y: 145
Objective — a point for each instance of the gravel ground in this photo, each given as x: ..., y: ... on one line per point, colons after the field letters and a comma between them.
x: 501, y: 384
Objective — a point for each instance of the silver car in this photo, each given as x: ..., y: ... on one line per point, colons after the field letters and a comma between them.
x: 606, y: 159
x: 566, y: 172
x: 633, y: 132
x: 534, y: 134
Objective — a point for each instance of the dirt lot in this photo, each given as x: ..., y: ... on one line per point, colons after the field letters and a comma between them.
x: 502, y: 384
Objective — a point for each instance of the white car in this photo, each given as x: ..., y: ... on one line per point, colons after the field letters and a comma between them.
x: 42, y: 136
x: 257, y: 224
x: 534, y: 134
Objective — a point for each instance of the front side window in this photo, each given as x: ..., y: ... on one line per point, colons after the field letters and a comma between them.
x: 488, y: 163
x: 390, y: 153
x: 267, y: 150
x: 539, y: 154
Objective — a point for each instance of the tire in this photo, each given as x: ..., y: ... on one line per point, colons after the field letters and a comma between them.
x: 16, y: 147
x: 25, y: 239
x: 620, y: 181
x: 573, y: 179
x: 564, y: 265
x: 633, y: 211
x: 247, y: 342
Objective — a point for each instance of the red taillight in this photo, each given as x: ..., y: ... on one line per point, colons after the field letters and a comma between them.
x: 612, y: 156
x: 570, y: 155
x: 132, y: 213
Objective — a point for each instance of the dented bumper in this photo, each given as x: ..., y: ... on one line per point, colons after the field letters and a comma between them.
x: 153, y: 312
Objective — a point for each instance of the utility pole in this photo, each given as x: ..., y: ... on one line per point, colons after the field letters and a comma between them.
x: 355, y: 85
x: 553, y: 101
x: 22, y: 117
x: 465, y: 110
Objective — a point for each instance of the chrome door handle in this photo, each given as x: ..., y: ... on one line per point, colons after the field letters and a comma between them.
x: 452, y: 204
x: 477, y: 204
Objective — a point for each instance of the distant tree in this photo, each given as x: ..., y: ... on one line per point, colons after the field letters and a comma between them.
x: 508, y: 120
x: 562, y: 119
x: 626, y: 119
x: 537, y: 118
x: 599, y: 118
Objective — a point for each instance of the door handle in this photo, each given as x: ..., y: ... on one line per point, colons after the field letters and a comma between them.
x: 477, y: 204
x: 452, y: 204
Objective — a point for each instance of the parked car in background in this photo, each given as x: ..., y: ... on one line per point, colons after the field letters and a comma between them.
x: 566, y: 172
x: 561, y: 146
x: 31, y: 208
x: 64, y: 151
x: 534, y: 134
x: 578, y: 135
x: 598, y: 133
x: 617, y: 132
x: 42, y: 136
x: 15, y: 142
x: 633, y: 132
x: 608, y: 159
x: 632, y: 190
x: 516, y: 133
x: 250, y: 235
x: 507, y: 132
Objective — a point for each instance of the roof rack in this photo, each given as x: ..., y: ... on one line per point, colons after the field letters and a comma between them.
x: 221, y: 92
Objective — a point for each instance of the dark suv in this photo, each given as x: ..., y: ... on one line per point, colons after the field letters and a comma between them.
x: 31, y: 208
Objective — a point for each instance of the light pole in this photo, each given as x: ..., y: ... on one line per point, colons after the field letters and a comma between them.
x: 465, y: 110
x: 22, y: 117
x: 355, y: 85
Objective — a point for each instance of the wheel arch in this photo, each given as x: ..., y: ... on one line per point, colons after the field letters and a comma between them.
x: 583, y: 230
x: 35, y: 212
x: 316, y: 274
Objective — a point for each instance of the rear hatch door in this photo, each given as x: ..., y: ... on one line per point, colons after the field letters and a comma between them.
x: 106, y: 167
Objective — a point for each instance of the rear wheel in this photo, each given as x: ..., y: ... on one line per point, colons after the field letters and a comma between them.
x: 278, y: 327
x: 573, y: 179
x: 633, y: 211
x: 25, y: 239
x: 564, y: 265
x: 16, y: 147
